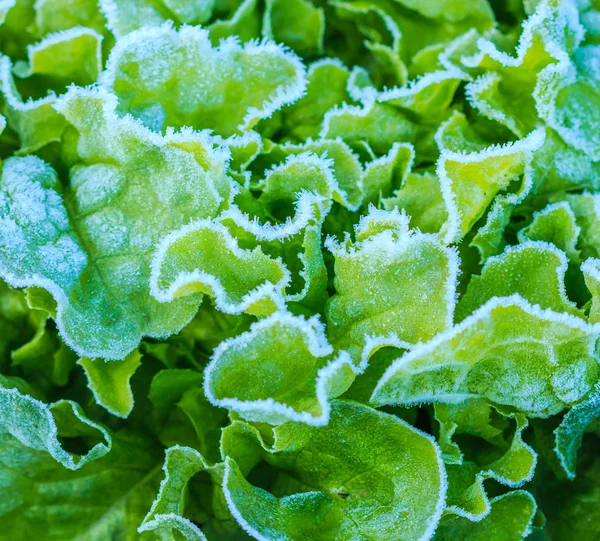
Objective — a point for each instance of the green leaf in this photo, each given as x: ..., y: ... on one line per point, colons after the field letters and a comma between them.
x: 359, y: 460
x: 411, y: 281
x: 91, y: 250
x: 569, y: 434
x: 470, y: 182
x: 571, y: 506
x: 5, y: 7
x: 510, y: 519
x: 451, y: 10
x: 17, y: 322
x: 346, y: 167
x: 281, y: 369
x: 509, y: 352
x: 44, y: 360
x: 299, y: 174
x: 182, y: 414
x: 27, y: 421
x: 286, y: 220
x: 420, y: 197
x: 242, y: 20
x: 378, y: 124
x: 586, y: 207
x: 190, y: 12
x: 109, y: 382
x: 57, y: 15
x: 125, y: 16
x: 203, y: 257
x: 557, y: 166
x: 591, y: 273
x: 295, y: 23
x: 474, y: 417
x: 506, y: 458
x: 556, y: 224
x: 103, y: 499
x: 567, y: 100
x: 326, y: 88
x: 521, y: 269
x: 166, y: 513
x: 512, y: 90
x: 387, y: 173
x: 36, y: 122
x: 69, y: 57
x: 259, y: 78
x: 427, y: 99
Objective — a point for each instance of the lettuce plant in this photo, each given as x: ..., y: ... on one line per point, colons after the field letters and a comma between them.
x: 300, y: 270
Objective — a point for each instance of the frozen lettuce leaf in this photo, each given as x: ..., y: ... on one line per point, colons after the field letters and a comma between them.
x: 281, y: 369
x: 509, y: 352
x: 91, y: 248
x: 511, y: 519
x: 227, y: 89
x: 359, y: 460
x: 391, y: 283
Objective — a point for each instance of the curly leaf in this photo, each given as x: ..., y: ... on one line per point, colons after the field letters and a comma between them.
x: 227, y: 89
x: 469, y: 182
x: 521, y: 269
x: 359, y: 460
x: 166, y: 513
x: 390, y: 283
x: 295, y: 23
x: 109, y: 382
x: 43, y: 427
x: 203, y: 257
x: 92, y: 249
x: 511, y: 519
x: 556, y: 224
x: 281, y: 369
x: 509, y: 352
x: 569, y: 434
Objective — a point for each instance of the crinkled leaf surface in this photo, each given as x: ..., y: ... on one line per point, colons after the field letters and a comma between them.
x: 391, y: 283
x: 520, y: 270
x: 510, y: 519
x: 90, y: 248
x: 203, y: 257
x: 174, y: 78
x: 365, y: 458
x: 509, y: 352
x: 281, y: 369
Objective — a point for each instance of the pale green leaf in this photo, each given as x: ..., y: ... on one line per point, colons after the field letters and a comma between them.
x: 510, y: 519
x: 227, y: 89
x: 557, y: 225
x: 509, y: 352
x: 359, y: 460
x: 203, y: 257
x: 281, y: 369
x: 109, y: 382
x: 326, y: 88
x: 242, y: 20
x: 521, y: 269
x: 56, y: 15
x: 470, y: 182
x: 94, y: 258
x: 295, y: 23
x: 591, y: 273
x: 391, y: 283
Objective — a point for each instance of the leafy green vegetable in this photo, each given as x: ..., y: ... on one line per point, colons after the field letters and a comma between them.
x: 333, y: 264
x: 362, y: 458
